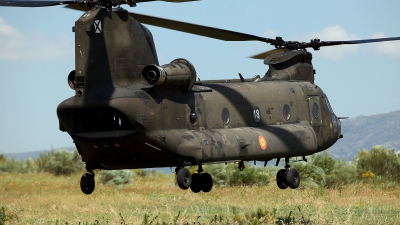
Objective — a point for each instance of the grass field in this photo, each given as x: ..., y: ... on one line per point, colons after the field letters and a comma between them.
x: 46, y: 199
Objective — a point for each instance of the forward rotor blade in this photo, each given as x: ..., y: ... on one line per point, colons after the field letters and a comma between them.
x: 332, y: 43
x: 33, y: 3
x: 268, y: 53
x: 205, y: 31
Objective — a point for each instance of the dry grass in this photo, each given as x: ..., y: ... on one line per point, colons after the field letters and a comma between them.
x: 46, y: 199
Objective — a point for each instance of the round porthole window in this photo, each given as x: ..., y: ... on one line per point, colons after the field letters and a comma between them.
x: 225, y: 116
x: 286, y: 112
x: 256, y: 114
x: 193, y: 117
x: 315, y: 110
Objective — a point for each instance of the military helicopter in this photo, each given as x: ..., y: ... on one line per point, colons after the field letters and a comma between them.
x: 129, y: 112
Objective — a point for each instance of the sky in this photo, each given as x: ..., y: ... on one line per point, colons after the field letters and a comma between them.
x: 37, y: 54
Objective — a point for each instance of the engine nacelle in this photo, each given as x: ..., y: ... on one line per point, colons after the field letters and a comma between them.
x: 178, y: 75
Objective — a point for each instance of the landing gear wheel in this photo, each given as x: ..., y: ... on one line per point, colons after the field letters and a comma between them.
x: 281, y: 179
x: 184, y: 178
x: 87, y: 183
x: 206, y: 182
x: 196, y: 183
x: 293, y: 178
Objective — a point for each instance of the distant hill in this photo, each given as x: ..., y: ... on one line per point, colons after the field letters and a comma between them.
x: 363, y: 132
x: 33, y: 154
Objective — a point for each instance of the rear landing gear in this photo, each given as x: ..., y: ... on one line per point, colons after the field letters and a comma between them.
x: 197, y: 182
x: 184, y: 178
x: 288, y: 177
x: 87, y: 181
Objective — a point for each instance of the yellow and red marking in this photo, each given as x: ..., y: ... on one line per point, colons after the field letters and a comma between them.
x: 263, y: 143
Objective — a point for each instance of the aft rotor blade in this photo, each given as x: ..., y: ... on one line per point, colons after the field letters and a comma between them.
x: 205, y: 31
x: 331, y: 43
x: 268, y: 53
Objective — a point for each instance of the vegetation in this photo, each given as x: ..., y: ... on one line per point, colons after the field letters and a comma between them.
x: 322, y: 170
x: 61, y: 162
x: 43, y: 198
x: 116, y: 177
x: 332, y: 191
x: 230, y: 175
x: 379, y: 163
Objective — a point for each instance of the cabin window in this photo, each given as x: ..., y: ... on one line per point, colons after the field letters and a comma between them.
x: 193, y: 117
x: 286, y: 112
x: 256, y: 114
x: 225, y: 116
x: 315, y: 110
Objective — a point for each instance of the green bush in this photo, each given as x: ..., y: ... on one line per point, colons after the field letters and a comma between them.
x: 230, y: 175
x: 379, y: 161
x: 218, y: 173
x: 343, y: 173
x: 325, y: 171
x: 2, y: 158
x: 145, y: 173
x: 61, y: 162
x: 310, y: 174
x: 115, y: 177
x: 17, y: 166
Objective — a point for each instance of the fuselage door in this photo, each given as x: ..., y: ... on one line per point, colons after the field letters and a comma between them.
x: 315, y: 111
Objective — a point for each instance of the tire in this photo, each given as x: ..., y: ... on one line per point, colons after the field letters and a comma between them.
x: 184, y: 178
x: 196, y: 183
x: 281, y: 179
x: 87, y: 183
x: 206, y: 182
x: 293, y: 178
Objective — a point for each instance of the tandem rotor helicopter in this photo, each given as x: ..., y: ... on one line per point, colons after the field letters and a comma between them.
x: 130, y: 112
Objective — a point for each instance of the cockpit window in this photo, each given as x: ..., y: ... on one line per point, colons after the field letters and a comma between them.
x: 334, y: 122
x: 328, y: 104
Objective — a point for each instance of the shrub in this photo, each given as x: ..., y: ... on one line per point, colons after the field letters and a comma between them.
x: 230, y: 175
x: 325, y: 171
x: 115, y: 177
x: 145, y: 173
x: 343, y: 173
x: 379, y: 161
x: 311, y: 175
x: 218, y: 173
x: 17, y: 166
x: 61, y: 162
x: 251, y: 175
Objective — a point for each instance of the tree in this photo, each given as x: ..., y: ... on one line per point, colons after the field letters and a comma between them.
x: 381, y: 161
x: 61, y: 162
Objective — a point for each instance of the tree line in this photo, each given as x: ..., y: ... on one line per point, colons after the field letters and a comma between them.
x: 379, y: 165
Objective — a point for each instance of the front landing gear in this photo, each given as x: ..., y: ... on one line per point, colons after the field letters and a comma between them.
x: 288, y: 177
x: 197, y: 182
x: 87, y: 181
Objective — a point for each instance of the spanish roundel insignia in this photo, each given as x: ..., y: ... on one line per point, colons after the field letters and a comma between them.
x: 262, y: 142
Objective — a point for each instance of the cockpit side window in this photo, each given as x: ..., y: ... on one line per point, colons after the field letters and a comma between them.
x: 328, y: 104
